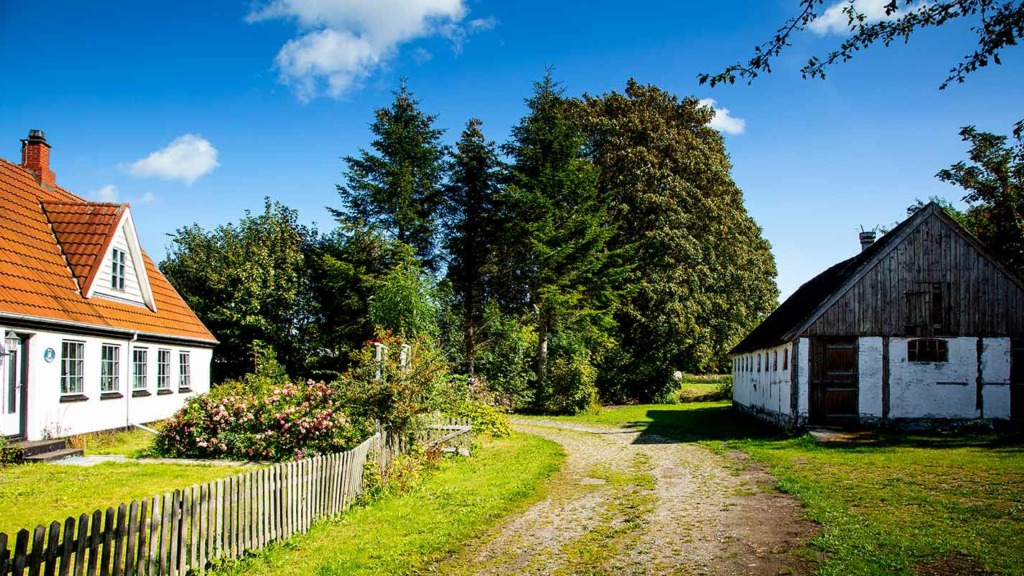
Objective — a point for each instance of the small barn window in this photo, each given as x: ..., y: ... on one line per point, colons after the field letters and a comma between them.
x: 925, y: 309
x: 758, y: 362
x: 785, y: 359
x: 927, y: 350
x: 775, y: 361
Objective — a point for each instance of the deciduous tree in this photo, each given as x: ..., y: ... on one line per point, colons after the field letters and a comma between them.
x: 703, y: 275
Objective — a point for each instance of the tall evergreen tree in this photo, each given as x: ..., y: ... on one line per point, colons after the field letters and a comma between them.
x: 558, y: 232
x: 397, y: 187
x: 470, y: 228
x: 704, y: 275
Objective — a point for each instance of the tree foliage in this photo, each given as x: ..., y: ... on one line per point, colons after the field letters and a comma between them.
x: 558, y: 227
x: 998, y: 24
x: 244, y: 281
x: 703, y: 275
x: 397, y: 187
x: 994, y: 181
x: 471, y: 226
x: 405, y: 303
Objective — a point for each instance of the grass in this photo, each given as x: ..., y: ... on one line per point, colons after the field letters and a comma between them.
x: 132, y: 442
x: 33, y: 494
x: 887, y: 508
x: 404, y: 532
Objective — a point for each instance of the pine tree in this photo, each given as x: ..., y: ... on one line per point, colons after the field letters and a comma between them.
x: 557, y: 234
x: 397, y: 188
x: 470, y: 199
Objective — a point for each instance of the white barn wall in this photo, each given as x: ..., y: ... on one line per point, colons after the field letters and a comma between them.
x: 803, y: 400
x: 995, y: 374
x: 934, y: 390
x: 762, y: 382
x: 869, y: 368
x: 47, y: 415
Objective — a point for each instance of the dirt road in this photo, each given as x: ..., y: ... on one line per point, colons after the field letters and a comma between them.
x: 634, y: 503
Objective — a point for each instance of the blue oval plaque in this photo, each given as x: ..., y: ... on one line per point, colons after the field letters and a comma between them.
x: 49, y: 354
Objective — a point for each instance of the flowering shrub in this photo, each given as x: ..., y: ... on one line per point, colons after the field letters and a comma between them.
x: 475, y: 399
x: 409, y: 379
x: 271, y: 422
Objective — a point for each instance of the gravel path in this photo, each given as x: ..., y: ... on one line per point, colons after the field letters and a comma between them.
x: 629, y: 502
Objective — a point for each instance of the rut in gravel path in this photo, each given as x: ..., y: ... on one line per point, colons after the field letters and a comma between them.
x: 629, y: 502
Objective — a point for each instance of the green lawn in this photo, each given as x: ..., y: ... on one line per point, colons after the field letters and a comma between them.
x: 131, y: 443
x: 402, y: 533
x: 32, y: 494
x: 887, y: 508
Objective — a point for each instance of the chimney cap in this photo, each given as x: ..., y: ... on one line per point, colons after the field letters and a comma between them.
x: 35, y: 137
x: 867, y: 238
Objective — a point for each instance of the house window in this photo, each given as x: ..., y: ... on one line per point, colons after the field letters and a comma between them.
x: 775, y: 361
x: 139, y: 357
x: 758, y: 362
x: 927, y: 350
x: 185, y: 372
x: 785, y: 359
x: 117, y: 269
x: 163, y: 369
x: 110, y: 368
x: 72, y: 364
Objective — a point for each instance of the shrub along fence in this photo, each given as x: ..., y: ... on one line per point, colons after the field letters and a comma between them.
x: 189, y: 529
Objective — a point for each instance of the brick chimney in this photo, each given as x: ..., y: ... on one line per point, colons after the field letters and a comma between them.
x: 35, y: 155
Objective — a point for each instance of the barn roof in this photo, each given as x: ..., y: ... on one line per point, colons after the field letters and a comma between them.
x: 51, y: 244
x: 798, y: 309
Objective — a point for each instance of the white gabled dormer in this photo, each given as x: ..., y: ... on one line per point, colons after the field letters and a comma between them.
x: 121, y: 273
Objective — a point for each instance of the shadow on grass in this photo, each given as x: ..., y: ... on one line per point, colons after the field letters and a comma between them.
x: 723, y: 423
x: 701, y: 424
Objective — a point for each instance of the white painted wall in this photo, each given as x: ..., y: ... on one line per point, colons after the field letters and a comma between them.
x: 132, y: 291
x: 803, y: 399
x: 995, y: 374
x: 945, y: 390
x: 762, y: 381
x: 47, y: 415
x: 917, y: 390
x: 869, y: 368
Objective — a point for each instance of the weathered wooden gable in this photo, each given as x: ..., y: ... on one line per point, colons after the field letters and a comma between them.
x: 934, y: 281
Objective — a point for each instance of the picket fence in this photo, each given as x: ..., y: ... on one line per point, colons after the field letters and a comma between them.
x: 188, y: 530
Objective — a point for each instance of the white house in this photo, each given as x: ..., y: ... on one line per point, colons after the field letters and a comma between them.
x: 93, y: 336
x: 922, y: 328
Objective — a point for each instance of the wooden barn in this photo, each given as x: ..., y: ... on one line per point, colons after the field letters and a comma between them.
x: 921, y: 328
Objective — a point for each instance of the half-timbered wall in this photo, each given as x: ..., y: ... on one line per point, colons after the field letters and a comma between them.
x: 932, y: 283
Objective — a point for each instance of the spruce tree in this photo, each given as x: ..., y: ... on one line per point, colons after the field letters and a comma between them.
x: 470, y: 226
x: 556, y: 233
x: 396, y: 188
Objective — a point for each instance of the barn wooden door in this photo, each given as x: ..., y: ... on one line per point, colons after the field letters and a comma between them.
x: 833, y: 381
x: 1017, y: 380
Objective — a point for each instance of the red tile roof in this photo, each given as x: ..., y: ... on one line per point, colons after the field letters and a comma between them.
x: 50, y: 243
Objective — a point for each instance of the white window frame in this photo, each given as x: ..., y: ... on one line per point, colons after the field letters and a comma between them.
x: 110, y: 368
x: 72, y: 368
x: 139, y: 379
x: 117, y: 269
x: 163, y: 369
x: 184, y: 369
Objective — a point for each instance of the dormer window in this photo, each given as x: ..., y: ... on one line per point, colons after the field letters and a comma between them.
x: 117, y: 269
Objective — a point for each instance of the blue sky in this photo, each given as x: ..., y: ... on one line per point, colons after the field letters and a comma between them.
x: 195, y: 111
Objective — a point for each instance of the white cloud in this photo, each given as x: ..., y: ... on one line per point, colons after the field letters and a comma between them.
x: 187, y: 158
x: 106, y: 194
x: 836, y: 20
x: 342, y: 42
x: 724, y: 121
x: 145, y: 198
